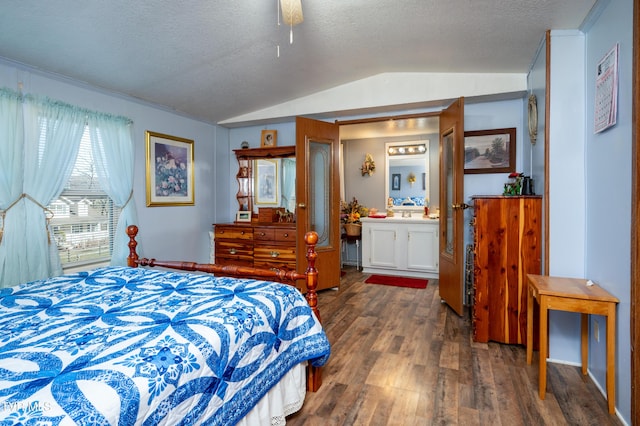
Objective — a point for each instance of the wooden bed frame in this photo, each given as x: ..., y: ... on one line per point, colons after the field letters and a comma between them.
x: 314, y: 374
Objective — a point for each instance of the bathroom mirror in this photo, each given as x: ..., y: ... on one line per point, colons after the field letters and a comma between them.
x: 407, y: 175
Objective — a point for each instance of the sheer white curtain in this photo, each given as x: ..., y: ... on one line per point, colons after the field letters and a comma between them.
x: 52, y: 134
x: 289, y: 184
x: 113, y: 155
x: 11, y: 154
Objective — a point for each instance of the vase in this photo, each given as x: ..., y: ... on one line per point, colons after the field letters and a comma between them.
x: 352, y: 229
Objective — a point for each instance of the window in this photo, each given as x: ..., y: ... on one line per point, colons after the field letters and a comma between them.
x: 84, y: 217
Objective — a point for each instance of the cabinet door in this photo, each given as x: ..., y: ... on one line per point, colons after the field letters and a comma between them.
x: 422, y: 248
x: 383, y: 249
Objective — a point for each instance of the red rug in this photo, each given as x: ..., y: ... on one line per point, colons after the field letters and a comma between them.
x: 397, y: 281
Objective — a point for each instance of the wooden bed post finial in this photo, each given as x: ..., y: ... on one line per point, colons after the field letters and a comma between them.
x: 132, y: 259
x: 311, y: 239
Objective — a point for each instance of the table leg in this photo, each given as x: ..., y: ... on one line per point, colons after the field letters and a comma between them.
x: 611, y: 357
x: 584, y: 341
x: 529, y: 325
x: 544, y: 341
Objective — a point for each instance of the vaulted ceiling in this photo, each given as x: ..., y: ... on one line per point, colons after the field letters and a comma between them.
x: 215, y: 60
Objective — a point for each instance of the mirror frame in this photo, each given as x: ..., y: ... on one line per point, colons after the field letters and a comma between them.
x: 424, y: 155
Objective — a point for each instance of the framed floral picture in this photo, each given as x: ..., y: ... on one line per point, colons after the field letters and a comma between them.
x: 266, y: 183
x: 169, y: 167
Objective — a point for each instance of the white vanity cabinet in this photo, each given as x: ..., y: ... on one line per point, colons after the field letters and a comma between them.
x: 400, y: 246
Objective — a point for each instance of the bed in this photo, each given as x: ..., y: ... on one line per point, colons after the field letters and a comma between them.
x: 134, y: 345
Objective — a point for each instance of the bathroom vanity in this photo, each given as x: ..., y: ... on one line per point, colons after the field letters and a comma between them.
x: 404, y: 246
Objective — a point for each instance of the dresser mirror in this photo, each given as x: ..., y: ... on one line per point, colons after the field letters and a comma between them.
x: 274, y: 183
x: 266, y: 178
x: 407, y: 175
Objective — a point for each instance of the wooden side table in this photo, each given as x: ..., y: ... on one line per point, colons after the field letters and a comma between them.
x: 572, y: 295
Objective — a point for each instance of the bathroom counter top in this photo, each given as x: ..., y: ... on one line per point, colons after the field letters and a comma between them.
x: 400, y: 219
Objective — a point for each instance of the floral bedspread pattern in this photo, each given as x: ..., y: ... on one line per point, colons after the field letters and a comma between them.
x: 132, y: 346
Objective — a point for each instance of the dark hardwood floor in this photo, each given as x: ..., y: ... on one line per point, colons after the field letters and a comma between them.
x: 400, y: 357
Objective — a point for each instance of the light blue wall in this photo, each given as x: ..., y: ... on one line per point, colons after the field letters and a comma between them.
x: 164, y: 231
x: 566, y: 191
x: 608, y: 183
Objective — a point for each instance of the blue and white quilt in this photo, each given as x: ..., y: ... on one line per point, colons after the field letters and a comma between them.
x: 129, y: 346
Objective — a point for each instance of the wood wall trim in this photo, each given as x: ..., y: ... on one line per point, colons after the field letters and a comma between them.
x: 547, y: 115
x: 635, y: 223
x: 387, y: 118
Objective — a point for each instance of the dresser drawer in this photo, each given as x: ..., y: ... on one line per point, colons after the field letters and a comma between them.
x: 233, y: 232
x: 286, y: 234
x: 264, y: 234
x: 272, y: 234
x: 273, y: 253
x: 233, y: 250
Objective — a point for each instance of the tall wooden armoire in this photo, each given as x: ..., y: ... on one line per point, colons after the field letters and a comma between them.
x: 507, y: 247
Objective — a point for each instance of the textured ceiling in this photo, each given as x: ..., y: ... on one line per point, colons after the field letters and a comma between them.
x: 215, y: 60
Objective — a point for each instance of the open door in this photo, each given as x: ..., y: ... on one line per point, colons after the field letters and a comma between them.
x: 451, y: 281
x: 318, y: 196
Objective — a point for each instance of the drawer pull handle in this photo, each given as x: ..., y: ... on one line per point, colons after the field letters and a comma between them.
x: 232, y: 251
x: 275, y: 254
x: 286, y: 235
x: 241, y: 232
x: 262, y: 234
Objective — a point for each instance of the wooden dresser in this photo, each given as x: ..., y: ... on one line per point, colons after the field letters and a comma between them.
x: 263, y: 245
x: 507, y: 247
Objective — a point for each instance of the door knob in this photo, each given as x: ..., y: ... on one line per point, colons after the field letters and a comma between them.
x: 302, y: 205
x: 461, y: 206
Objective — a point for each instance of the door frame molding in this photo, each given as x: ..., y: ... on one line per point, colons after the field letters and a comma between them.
x: 635, y: 222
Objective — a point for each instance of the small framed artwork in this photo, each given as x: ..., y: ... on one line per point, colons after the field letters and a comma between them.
x: 269, y: 138
x: 395, y: 182
x: 266, y: 182
x: 169, y: 167
x: 243, y: 216
x: 490, y: 151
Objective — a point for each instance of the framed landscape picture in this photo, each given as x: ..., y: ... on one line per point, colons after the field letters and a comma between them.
x: 169, y: 167
x: 490, y: 151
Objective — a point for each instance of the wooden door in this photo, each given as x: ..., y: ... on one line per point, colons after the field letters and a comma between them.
x: 318, y: 196
x: 451, y: 256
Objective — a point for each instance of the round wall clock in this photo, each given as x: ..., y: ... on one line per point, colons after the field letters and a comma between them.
x: 533, y: 118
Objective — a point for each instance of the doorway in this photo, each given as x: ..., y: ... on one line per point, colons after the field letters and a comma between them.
x: 369, y: 136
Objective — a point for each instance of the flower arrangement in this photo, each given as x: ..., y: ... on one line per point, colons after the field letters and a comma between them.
x: 369, y: 166
x: 513, y: 186
x: 352, y: 212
